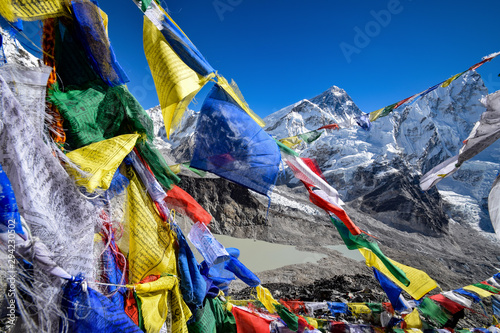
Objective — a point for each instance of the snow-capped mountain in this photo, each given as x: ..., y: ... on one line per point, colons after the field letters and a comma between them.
x: 399, y: 147
x: 15, y: 53
x: 379, y: 170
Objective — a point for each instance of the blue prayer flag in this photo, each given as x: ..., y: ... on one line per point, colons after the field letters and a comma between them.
x: 391, y: 289
x: 233, y: 146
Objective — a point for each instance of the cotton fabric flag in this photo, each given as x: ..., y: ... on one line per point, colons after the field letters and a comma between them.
x: 478, y: 291
x: 250, y: 322
x: 433, y: 311
x: 161, y: 301
x: 176, y: 83
x: 392, y: 291
x: 147, y: 241
x: 91, y: 30
x: 420, y: 283
x: 30, y: 10
x: 99, y: 161
x: 231, y: 145
x: 90, y: 311
x: 412, y: 320
x: 9, y: 212
x: 54, y: 210
x: 485, y: 132
x: 448, y: 304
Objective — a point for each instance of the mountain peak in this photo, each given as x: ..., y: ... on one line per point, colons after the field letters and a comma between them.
x: 333, y: 105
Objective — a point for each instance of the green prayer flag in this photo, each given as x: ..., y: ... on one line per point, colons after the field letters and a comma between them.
x: 204, y: 320
x: 290, y: 319
x: 354, y: 242
x: 433, y: 311
x: 95, y: 113
x: 311, y: 136
x: 284, y: 149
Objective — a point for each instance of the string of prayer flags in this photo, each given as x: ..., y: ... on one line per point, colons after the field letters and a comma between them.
x: 481, y: 292
x: 303, y: 171
x: 448, y: 304
x: 370, y: 249
x: 388, y: 109
x: 464, y: 292
x: 178, y: 168
x: 307, y: 137
x: 485, y: 132
x: 484, y: 285
x: 231, y: 145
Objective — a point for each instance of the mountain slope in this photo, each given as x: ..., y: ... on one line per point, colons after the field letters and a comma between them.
x: 382, y: 163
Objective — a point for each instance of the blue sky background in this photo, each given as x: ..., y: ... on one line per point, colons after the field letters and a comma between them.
x: 280, y: 52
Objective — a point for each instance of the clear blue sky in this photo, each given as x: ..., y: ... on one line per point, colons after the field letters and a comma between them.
x: 279, y: 52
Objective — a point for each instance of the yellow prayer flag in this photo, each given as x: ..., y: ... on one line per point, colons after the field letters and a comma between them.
x: 148, y: 242
x: 265, y: 297
x: 234, y: 92
x: 176, y: 83
x: 291, y: 142
x: 104, y: 18
x: 420, y: 282
x: 311, y: 321
x: 375, y: 114
x: 161, y: 301
x: 480, y: 292
x: 358, y: 308
x: 450, y: 80
x: 413, y: 320
x: 32, y: 10
x: 100, y: 160
x: 176, y: 168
